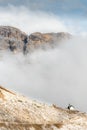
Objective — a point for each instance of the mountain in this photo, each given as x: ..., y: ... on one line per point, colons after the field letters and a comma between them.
x: 17, y: 41
x: 20, y: 113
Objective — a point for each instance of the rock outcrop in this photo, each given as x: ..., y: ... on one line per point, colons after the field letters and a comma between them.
x: 20, y: 113
x: 12, y: 39
x: 17, y: 41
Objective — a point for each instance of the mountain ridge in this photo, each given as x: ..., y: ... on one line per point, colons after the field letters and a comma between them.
x: 15, y: 40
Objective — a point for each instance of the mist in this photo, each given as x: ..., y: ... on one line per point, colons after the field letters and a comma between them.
x: 55, y: 75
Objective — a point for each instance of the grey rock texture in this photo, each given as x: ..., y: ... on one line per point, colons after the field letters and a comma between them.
x: 17, y: 41
x: 11, y: 38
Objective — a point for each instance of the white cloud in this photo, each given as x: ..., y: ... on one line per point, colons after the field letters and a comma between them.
x: 37, y: 21
x: 30, y: 21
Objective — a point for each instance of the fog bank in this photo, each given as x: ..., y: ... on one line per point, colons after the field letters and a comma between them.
x: 54, y: 76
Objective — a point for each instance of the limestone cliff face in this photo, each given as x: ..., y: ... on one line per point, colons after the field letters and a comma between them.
x: 11, y: 39
x: 17, y: 41
x: 20, y: 113
x: 11, y: 32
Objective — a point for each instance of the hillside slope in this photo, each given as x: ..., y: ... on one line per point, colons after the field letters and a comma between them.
x: 20, y: 113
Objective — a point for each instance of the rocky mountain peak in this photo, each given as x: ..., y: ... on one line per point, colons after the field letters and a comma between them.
x: 12, y: 32
x: 15, y: 40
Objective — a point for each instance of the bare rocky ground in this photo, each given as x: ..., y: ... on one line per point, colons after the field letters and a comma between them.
x: 20, y: 113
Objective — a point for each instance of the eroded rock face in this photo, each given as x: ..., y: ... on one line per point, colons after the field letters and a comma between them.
x: 21, y: 113
x: 17, y: 41
x: 48, y: 37
x: 11, y: 32
x: 12, y: 39
x: 44, y: 40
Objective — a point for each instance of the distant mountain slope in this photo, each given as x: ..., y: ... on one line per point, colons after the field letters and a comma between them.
x: 17, y: 41
x: 20, y: 113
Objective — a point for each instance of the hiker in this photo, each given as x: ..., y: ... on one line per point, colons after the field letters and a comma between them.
x: 70, y: 107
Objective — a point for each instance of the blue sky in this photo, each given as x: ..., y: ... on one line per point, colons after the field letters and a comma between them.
x: 64, y: 7
x: 73, y: 14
